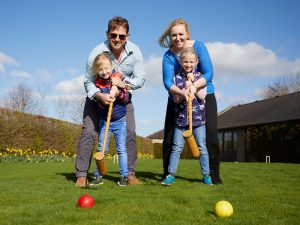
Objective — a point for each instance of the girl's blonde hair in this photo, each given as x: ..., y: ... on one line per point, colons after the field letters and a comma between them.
x: 164, y: 40
x: 98, y: 62
x: 187, y: 51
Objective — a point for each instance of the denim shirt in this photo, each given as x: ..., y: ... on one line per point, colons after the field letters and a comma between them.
x: 181, y: 109
x: 131, y: 66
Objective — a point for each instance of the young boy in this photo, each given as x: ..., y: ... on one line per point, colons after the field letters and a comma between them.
x: 109, y: 82
x: 188, y: 60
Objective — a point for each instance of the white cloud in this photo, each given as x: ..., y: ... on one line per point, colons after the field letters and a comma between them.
x: 241, y: 61
x: 153, y: 70
x: 147, y: 122
x: 44, y: 75
x: 20, y: 74
x: 73, y: 86
x: 56, y: 98
x: 5, y: 59
x: 1, y: 68
x: 250, y: 59
x: 72, y: 71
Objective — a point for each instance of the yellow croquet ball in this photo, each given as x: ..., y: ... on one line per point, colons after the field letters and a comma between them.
x: 223, y: 209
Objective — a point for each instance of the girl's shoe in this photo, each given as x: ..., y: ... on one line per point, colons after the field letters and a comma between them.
x: 168, y: 180
x: 207, y: 180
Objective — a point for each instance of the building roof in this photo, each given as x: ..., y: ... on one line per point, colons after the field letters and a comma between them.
x: 278, y: 109
x: 157, y: 135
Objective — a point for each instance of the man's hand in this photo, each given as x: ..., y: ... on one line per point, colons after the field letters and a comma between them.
x: 128, y: 87
x: 104, y: 99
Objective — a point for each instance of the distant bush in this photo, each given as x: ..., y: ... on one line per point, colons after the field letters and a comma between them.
x: 27, y: 131
x: 279, y: 141
x: 157, y: 152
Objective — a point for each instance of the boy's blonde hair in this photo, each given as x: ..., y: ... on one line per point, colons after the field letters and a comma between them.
x: 164, y: 39
x: 98, y: 62
x: 187, y: 51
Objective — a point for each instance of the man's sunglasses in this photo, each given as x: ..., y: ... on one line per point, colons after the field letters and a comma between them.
x: 121, y: 36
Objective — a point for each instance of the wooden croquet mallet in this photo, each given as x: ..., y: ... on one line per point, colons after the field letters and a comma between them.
x: 100, y: 156
x: 188, y: 134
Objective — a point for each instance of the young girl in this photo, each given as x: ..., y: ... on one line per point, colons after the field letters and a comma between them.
x: 188, y: 60
x: 103, y: 67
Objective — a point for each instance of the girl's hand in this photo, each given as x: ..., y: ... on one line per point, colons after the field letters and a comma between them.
x: 185, y: 94
x: 188, y: 84
x: 192, y: 91
x: 190, y: 76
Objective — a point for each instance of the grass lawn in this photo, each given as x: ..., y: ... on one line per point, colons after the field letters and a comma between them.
x: 44, y: 193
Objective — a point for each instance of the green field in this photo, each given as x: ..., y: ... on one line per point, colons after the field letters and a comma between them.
x: 44, y: 193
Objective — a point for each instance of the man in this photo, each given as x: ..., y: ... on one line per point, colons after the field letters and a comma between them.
x: 128, y: 60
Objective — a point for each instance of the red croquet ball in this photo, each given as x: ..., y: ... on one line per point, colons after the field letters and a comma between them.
x: 85, y: 201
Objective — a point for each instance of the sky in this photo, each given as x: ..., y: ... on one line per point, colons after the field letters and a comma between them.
x: 45, y: 45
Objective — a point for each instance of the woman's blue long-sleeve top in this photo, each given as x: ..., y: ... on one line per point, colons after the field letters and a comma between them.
x: 171, y: 66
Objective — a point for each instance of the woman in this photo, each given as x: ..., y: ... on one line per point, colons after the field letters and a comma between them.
x: 177, y: 37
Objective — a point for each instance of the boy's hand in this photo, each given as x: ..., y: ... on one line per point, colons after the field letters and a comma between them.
x: 116, y: 81
x: 114, y: 91
x: 104, y: 99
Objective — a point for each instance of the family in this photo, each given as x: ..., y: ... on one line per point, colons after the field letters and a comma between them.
x: 114, y: 69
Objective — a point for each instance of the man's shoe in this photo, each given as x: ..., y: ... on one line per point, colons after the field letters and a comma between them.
x: 132, y: 180
x: 168, y: 180
x: 81, y: 182
x: 216, y: 178
x: 123, y: 181
x: 96, y: 182
x: 207, y: 180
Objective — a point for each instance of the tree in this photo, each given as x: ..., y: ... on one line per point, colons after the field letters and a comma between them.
x: 77, y: 109
x: 62, y: 107
x: 21, y: 98
x: 282, y: 86
x: 42, y: 92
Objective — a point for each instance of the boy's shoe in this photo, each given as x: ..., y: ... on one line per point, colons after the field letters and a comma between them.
x: 97, y: 181
x: 168, y: 180
x: 207, y: 180
x: 123, y: 181
x: 81, y: 182
x: 132, y: 180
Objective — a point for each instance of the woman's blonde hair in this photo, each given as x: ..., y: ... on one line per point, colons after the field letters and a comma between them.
x: 98, y: 62
x: 164, y: 40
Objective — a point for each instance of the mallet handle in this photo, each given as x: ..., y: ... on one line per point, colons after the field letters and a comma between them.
x: 190, y: 110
